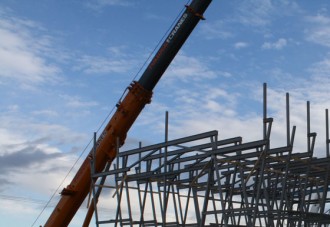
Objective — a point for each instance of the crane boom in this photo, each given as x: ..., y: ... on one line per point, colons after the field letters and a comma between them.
x: 138, y: 95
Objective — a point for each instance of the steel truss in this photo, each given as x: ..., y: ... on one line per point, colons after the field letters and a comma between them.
x: 200, y: 180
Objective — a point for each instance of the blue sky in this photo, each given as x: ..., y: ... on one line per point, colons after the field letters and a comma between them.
x: 65, y: 64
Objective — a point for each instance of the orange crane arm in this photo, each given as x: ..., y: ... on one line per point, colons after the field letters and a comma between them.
x: 122, y: 120
x: 139, y: 94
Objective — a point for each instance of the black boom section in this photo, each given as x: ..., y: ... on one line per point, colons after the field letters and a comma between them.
x: 173, y: 43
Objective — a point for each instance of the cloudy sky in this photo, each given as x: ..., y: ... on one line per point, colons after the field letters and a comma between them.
x: 65, y: 64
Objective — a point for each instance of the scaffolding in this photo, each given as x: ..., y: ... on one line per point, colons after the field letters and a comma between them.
x: 200, y: 180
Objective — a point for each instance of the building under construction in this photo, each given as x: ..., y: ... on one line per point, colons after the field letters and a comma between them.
x: 200, y: 180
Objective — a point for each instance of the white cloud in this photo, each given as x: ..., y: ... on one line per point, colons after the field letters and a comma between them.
x: 102, y: 65
x: 187, y: 69
x: 278, y: 45
x: 35, y: 156
x: 282, y: 77
x: 13, y: 108
x: 214, y: 114
x: 14, y: 131
x: 49, y: 113
x: 100, y: 4
x: 44, y: 151
x: 76, y: 102
x: 210, y: 107
x: 314, y: 89
x: 261, y: 13
x: 319, y: 31
x: 224, y: 74
x: 119, y: 51
x: 240, y: 45
x: 211, y: 101
x: 198, y: 110
x: 255, y: 13
x: 321, y: 68
x: 317, y: 87
x: 215, y: 30
x: 21, y: 52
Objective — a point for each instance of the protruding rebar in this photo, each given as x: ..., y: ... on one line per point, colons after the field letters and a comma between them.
x: 288, y: 119
x: 308, y: 127
x: 265, y: 109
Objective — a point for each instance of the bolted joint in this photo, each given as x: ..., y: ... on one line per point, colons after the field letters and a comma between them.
x: 140, y: 92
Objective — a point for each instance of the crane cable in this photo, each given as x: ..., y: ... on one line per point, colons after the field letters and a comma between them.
x: 112, y: 110
x: 62, y: 182
x: 72, y: 167
x: 161, y: 41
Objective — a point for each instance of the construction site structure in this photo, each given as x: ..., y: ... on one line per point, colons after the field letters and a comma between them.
x: 201, y: 180
x: 137, y: 95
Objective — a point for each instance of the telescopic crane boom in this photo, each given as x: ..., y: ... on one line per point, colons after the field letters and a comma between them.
x: 139, y: 94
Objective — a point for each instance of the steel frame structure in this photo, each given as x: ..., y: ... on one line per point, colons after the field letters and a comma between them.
x: 200, y: 180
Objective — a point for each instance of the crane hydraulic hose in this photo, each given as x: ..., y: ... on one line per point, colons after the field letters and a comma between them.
x: 139, y: 94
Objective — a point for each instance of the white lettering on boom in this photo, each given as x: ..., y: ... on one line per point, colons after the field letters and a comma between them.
x: 176, y: 28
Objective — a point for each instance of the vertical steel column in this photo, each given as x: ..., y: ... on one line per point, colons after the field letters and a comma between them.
x: 207, y: 192
x: 153, y: 203
x: 174, y: 204
x: 187, y: 205
x: 197, y: 210
x: 261, y: 172
x: 231, y: 193
x: 327, y: 133
x: 214, y: 208
x: 128, y: 202
x: 179, y: 199
x: 325, y: 190
x: 306, y: 182
x: 264, y: 109
x: 268, y: 217
x: 274, y: 202
x: 218, y: 180
x: 252, y: 185
x: 97, y: 194
x: 245, y: 199
x: 119, y: 187
x: 310, y: 135
x: 288, y: 128
x: 94, y: 180
x: 284, y: 194
x: 165, y: 196
x: 308, y: 128
x: 160, y: 195
x: 141, y: 201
